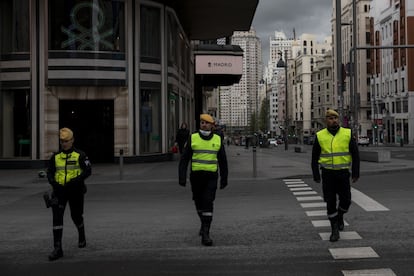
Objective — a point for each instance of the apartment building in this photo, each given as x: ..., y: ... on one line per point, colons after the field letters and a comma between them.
x: 305, y: 51
x: 392, y: 71
x: 356, y: 107
x: 280, y: 51
x: 242, y: 98
x: 323, y: 94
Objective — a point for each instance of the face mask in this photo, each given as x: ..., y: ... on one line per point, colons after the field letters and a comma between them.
x: 205, y: 132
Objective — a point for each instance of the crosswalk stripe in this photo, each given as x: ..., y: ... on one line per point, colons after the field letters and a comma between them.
x: 301, y: 189
x: 305, y: 193
x: 353, y: 253
x: 324, y: 223
x: 345, y: 235
x: 308, y: 198
x: 313, y: 204
x: 369, y: 272
x: 293, y: 180
x: 365, y: 202
x: 297, y: 185
x: 316, y: 213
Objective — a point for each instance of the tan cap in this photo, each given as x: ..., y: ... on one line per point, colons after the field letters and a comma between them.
x: 65, y: 134
x: 331, y: 112
x: 207, y: 118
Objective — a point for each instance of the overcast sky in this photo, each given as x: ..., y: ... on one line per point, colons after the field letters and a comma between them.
x: 306, y: 16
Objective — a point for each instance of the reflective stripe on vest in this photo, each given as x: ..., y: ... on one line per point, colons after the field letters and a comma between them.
x: 205, y: 153
x: 67, y: 167
x: 335, y: 153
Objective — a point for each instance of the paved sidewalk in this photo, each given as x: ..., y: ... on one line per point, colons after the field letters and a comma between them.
x: 271, y: 163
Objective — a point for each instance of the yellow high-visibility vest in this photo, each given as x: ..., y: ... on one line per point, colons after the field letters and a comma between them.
x: 335, y: 153
x: 205, y: 153
x: 67, y: 167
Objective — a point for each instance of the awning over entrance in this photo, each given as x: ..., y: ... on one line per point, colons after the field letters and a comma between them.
x: 212, y: 19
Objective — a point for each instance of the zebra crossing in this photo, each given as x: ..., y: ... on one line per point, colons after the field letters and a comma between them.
x: 310, y: 199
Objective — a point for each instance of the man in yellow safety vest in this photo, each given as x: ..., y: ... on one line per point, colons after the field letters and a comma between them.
x: 206, y: 152
x: 335, y: 152
x: 68, y: 168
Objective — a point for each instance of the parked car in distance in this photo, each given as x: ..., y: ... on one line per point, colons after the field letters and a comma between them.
x: 272, y: 142
x: 363, y: 141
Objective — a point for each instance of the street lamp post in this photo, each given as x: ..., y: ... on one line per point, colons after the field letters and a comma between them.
x: 339, y: 85
x: 354, y: 95
x: 283, y: 64
x: 286, y: 103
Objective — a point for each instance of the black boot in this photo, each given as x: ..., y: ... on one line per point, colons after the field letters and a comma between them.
x: 335, y: 230
x: 82, y: 238
x: 205, y: 230
x: 56, y: 253
x: 205, y: 235
x: 341, y: 224
x: 57, y: 244
x: 201, y: 220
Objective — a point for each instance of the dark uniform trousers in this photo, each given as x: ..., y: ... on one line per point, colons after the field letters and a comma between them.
x: 204, y: 187
x: 336, y: 182
x: 76, y: 202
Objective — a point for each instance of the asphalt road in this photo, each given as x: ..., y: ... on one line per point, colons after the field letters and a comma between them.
x: 259, y: 228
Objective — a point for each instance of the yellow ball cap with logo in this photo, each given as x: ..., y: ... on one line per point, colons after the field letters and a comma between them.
x: 207, y: 118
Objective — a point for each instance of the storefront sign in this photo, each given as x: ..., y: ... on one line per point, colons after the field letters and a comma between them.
x: 219, y: 65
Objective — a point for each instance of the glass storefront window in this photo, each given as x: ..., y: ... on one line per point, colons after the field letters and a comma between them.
x: 150, y: 122
x: 94, y: 25
x: 15, y: 130
x: 15, y: 120
x: 172, y: 40
x: 150, y: 33
x: 14, y: 22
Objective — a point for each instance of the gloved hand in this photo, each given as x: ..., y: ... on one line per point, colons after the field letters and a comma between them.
x: 223, y: 183
x: 181, y: 182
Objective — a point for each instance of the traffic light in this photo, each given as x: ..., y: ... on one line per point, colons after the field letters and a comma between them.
x: 375, y: 126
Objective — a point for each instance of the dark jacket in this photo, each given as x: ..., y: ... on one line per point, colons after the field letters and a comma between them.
x: 182, y: 138
x: 316, y: 152
x: 75, y: 185
x: 187, y: 156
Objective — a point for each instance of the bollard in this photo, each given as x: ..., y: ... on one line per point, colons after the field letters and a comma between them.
x: 254, y: 161
x: 121, y: 164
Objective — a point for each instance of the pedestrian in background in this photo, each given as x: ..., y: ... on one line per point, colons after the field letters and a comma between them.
x: 335, y: 152
x: 182, y: 137
x: 206, y: 152
x: 67, y: 171
x: 217, y: 129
